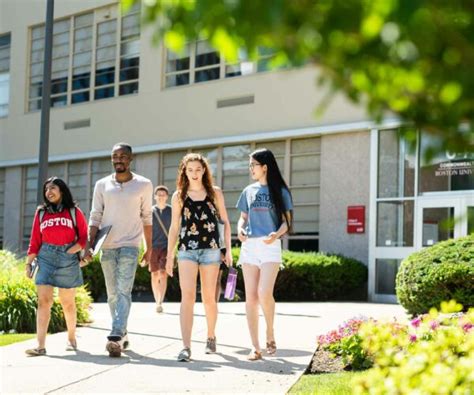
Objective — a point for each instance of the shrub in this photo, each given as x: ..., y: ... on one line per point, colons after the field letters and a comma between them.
x: 442, y: 272
x: 316, y: 276
x: 18, y: 300
x: 304, y: 276
x: 434, y: 356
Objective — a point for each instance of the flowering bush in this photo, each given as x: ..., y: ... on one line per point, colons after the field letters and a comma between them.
x: 434, y: 354
x: 346, y: 343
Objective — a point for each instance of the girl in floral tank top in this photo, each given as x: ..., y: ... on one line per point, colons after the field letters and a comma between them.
x: 198, y: 225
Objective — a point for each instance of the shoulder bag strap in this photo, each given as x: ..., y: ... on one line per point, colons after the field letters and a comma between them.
x: 155, y: 213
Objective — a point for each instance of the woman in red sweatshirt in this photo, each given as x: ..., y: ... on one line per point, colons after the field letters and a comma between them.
x: 59, y: 232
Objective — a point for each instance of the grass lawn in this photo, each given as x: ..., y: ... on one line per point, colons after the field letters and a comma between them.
x: 324, y: 384
x: 7, y: 339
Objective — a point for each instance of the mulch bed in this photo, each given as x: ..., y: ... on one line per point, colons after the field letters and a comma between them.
x: 325, y: 362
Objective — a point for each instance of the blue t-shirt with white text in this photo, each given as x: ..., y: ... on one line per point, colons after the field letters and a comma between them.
x: 262, y: 218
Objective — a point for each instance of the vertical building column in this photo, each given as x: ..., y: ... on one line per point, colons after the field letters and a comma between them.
x: 13, y: 211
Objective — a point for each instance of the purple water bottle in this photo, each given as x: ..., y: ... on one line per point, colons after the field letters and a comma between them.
x: 231, y: 284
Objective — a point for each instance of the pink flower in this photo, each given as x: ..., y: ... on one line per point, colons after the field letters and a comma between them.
x: 413, y: 338
x: 467, y: 326
x: 434, y: 325
x: 415, y: 323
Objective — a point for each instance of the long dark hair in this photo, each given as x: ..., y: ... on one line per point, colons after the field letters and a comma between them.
x: 182, y: 182
x: 66, y: 197
x: 275, y: 183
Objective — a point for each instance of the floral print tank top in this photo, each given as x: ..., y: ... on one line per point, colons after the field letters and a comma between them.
x: 198, y: 225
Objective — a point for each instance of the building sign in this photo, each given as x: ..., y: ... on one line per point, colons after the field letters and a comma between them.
x: 355, y: 219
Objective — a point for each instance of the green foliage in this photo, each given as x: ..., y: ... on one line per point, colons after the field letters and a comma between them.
x: 412, y: 58
x: 324, y: 384
x: 442, y: 272
x: 315, y: 276
x: 18, y: 300
x: 435, y: 356
x: 305, y: 276
x: 10, y: 338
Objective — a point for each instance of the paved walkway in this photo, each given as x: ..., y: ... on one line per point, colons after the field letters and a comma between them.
x: 150, y: 366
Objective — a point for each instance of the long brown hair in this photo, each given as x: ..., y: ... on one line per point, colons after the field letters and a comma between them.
x: 182, y: 182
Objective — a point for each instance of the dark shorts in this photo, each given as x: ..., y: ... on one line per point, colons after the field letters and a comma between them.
x: 158, y: 259
x: 58, y: 268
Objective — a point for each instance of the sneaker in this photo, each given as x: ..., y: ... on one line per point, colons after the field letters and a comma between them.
x: 184, y: 355
x: 159, y: 308
x: 210, y: 345
x: 124, y: 343
x: 114, y: 348
x: 36, y: 352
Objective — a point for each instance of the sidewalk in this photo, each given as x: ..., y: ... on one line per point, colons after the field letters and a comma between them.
x: 150, y: 365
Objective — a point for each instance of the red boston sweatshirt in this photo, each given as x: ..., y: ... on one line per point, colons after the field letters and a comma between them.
x: 57, y: 229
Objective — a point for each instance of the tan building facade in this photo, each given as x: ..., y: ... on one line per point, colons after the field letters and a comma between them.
x: 111, y: 84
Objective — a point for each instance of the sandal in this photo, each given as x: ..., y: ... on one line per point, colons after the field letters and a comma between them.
x: 271, y: 347
x: 71, y: 345
x: 36, y: 352
x: 254, y: 355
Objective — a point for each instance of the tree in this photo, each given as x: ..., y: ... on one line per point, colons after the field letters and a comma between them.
x: 412, y: 58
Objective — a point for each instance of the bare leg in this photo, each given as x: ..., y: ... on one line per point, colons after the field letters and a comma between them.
x: 155, y: 286
x: 219, y: 285
x: 208, y: 274
x: 163, y: 282
x: 67, y: 297
x: 251, y: 280
x: 187, y: 281
x: 45, y: 301
x: 268, y: 275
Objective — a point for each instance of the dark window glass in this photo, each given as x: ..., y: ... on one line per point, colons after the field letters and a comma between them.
x: 81, y: 81
x: 80, y: 97
x: 129, y: 69
x: 128, y: 89
x: 104, y: 93
x: 59, y: 101
x: 105, y: 76
x: 207, y: 75
x: 36, y: 89
x: 59, y: 85
x: 177, y: 80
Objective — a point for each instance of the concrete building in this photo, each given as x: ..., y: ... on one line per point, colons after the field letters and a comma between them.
x: 358, y: 189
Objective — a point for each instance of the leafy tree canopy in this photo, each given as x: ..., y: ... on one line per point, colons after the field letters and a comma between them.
x: 412, y: 58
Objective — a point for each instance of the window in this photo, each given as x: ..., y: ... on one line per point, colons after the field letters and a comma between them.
x: 95, y: 56
x: 305, y: 165
x: 199, y: 62
x: 4, y: 74
x: 169, y: 168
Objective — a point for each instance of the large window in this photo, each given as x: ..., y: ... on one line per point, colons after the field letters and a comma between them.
x: 4, y: 74
x: 445, y: 171
x: 199, y: 62
x: 95, y: 56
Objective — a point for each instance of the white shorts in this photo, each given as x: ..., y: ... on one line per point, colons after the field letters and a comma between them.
x: 255, y: 252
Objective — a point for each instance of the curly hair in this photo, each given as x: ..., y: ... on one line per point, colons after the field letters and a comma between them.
x: 182, y: 182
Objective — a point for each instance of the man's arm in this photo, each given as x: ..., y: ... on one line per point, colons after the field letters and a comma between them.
x: 95, y: 220
x: 147, y: 220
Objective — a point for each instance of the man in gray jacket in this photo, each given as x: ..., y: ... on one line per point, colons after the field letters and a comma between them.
x: 122, y: 200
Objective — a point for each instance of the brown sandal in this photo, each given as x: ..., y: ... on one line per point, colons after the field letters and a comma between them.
x: 36, y: 352
x: 254, y: 355
x: 271, y: 347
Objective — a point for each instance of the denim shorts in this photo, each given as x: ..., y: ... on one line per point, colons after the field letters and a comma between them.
x: 205, y: 256
x: 58, y: 268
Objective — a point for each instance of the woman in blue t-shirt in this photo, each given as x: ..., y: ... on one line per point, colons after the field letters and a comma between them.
x: 265, y: 208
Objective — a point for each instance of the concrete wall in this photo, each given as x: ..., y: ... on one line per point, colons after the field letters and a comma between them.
x: 344, y: 182
x: 283, y: 100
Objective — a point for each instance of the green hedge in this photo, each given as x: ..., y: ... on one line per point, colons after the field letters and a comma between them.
x: 305, y: 276
x: 18, y: 300
x: 442, y: 272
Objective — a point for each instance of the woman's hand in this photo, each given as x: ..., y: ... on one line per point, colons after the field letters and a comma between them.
x: 169, y: 265
x: 228, y: 258
x: 74, y: 249
x: 28, y: 270
x: 242, y: 235
x: 270, y: 238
